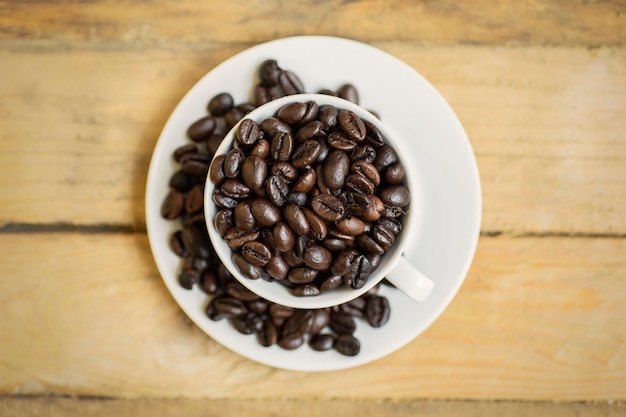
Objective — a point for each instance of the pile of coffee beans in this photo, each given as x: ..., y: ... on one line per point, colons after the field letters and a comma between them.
x: 288, y: 328
x: 312, y: 198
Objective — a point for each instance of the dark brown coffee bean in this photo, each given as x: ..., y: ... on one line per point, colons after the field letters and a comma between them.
x: 210, y: 282
x: 334, y: 244
x: 360, y: 184
x: 383, y: 236
x: 233, y: 116
x: 258, y: 306
x: 306, y: 153
x: 235, y: 188
x: 348, y: 92
x: 213, y: 142
x: 196, y: 165
x: 305, y: 291
x: 181, y: 181
x: 290, y: 83
x: 321, y: 318
x: 328, y: 116
x: 242, y: 216
x: 265, y: 213
x: 284, y: 237
x: 328, y: 207
x: 336, y: 168
x: 312, y: 130
x: 236, y: 237
x: 342, y: 262
x: 374, y: 209
x: 177, y: 245
x: 284, y: 170
x: 268, y: 72
x: 256, y: 253
x: 385, y: 156
x: 272, y: 125
x: 223, y: 221
x: 292, y: 113
x: 282, y: 146
x: 216, y: 174
x: 281, y: 311
x: 317, y: 257
x: 311, y: 112
x: 298, y: 324
x: 322, y: 342
x: 339, y: 140
x: 369, y: 244
x: 318, y: 228
x: 392, y: 225
x: 368, y: 170
x: 306, y: 182
x: 394, y: 174
x: 260, y: 149
x: 302, y: 275
x: 236, y: 290
x: 299, y: 199
x: 291, y: 343
x: 360, y: 270
x: 352, y: 226
x: 183, y: 150
x: 277, y: 268
x: 395, y: 195
x: 196, y: 240
x: 352, y: 125
x: 246, y: 268
x: 342, y: 323
x: 220, y: 104
x: 242, y: 325
x: 363, y: 153
x: 194, y: 201
x: 222, y: 200
x: 229, y: 307
x: 232, y: 162
x: 268, y: 334
x: 377, y: 311
x: 248, y: 132
x: 173, y: 205
x: 201, y: 129
x: 373, y: 136
x: 348, y: 345
x: 296, y: 219
x: 277, y: 190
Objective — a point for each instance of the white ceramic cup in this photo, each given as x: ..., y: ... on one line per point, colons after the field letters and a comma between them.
x: 394, y: 266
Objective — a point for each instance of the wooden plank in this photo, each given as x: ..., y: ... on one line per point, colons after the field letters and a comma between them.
x: 536, y: 319
x: 68, y: 407
x: 77, y: 138
x: 202, y: 22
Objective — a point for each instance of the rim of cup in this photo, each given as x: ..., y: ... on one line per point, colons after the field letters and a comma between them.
x: 274, y: 291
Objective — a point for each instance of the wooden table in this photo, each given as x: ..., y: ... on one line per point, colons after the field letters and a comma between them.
x: 87, y: 326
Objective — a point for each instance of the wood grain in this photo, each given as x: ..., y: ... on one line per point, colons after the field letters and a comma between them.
x: 156, y: 407
x: 537, y: 319
x: 546, y: 125
x: 197, y: 22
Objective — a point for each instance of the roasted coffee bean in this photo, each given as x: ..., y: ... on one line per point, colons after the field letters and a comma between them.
x: 236, y: 237
x: 373, y: 136
x: 177, y: 245
x: 277, y: 268
x: 317, y: 257
x: 242, y: 216
x: 348, y: 345
x: 356, y: 204
x: 194, y: 201
x: 302, y: 275
x: 210, y: 282
x: 349, y: 92
x: 173, y: 205
x: 305, y: 291
x: 222, y: 200
x: 224, y: 221
x: 299, y: 199
x: 235, y: 188
x: 352, y: 226
x: 318, y: 228
x: 281, y: 146
x: 277, y: 190
x: 363, y: 153
x: 342, y: 323
x: 342, y: 262
x: 242, y: 325
x: 213, y: 142
x: 334, y: 244
x: 265, y: 213
x: 311, y: 112
x: 321, y: 318
x: 281, y: 311
x: 256, y: 253
x: 201, y: 129
x: 216, y: 174
x: 298, y: 324
x: 374, y: 259
x: 236, y: 290
x: 385, y: 156
x: 229, y: 307
x: 188, y: 278
x: 302, y: 242
x: 285, y: 170
x: 272, y: 125
x: 328, y: 207
x: 290, y: 83
x: 392, y: 225
x: 336, y: 168
x: 196, y: 165
x: 262, y: 95
x: 352, y: 125
x: 322, y: 342
x: 220, y: 104
x: 233, y: 116
x: 284, y: 237
x: 292, y: 113
x: 246, y: 268
x: 291, y: 343
x: 360, y: 184
x: 312, y: 130
x: 360, y: 271
x: 268, y: 334
x: 383, y: 236
x: 183, y: 150
x: 181, y: 181
x: 260, y: 149
x: 328, y: 116
x: 368, y: 170
x: 339, y: 140
x: 296, y: 219
x: 196, y: 240
x: 232, y: 162
x: 369, y: 244
x: 190, y: 218
x: 306, y: 153
x: 248, y: 132
x: 377, y: 311
x: 306, y: 182
x: 395, y: 195
x: 257, y: 306
x: 394, y: 174
x: 268, y: 72
x: 374, y: 209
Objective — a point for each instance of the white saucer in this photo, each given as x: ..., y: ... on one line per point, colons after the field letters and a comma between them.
x: 450, y: 201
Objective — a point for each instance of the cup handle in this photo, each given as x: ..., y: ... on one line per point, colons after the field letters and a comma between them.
x: 409, y: 280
